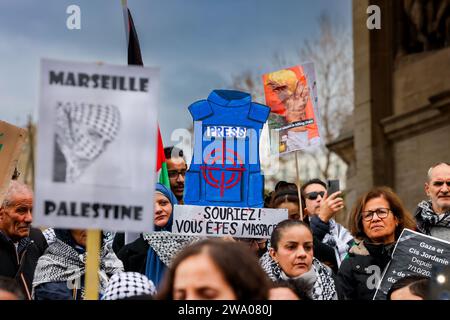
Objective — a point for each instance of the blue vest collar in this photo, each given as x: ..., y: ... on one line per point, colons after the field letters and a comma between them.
x: 229, y: 98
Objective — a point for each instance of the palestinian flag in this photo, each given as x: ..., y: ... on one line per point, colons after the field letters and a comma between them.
x: 135, y: 58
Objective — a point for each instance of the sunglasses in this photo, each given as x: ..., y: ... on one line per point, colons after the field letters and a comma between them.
x: 313, y: 195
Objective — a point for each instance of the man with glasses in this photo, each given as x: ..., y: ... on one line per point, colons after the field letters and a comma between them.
x: 176, y: 167
x: 320, y: 208
x: 433, y: 215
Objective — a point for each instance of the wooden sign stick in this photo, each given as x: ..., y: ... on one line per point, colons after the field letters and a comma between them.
x: 299, y: 183
x: 92, y: 264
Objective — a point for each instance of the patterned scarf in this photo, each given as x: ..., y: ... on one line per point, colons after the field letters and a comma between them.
x: 167, y: 244
x: 329, y: 238
x: 125, y: 285
x: 61, y: 262
x: 427, y: 218
x: 324, y: 287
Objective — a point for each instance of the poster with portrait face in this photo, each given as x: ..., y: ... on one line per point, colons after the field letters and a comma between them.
x: 294, y: 120
x: 96, y: 146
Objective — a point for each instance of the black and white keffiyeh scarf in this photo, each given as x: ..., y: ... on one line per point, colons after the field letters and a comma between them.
x: 324, y: 287
x: 61, y: 262
x: 128, y: 285
x: 427, y: 219
x: 167, y: 244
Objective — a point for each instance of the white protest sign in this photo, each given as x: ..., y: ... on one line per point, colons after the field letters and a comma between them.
x: 212, y: 221
x: 96, y: 146
x: 414, y: 253
x: 12, y: 139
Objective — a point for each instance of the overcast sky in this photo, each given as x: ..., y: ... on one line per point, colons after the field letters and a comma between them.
x: 197, y: 44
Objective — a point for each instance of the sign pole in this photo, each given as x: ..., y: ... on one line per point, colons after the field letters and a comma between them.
x: 125, y: 18
x: 92, y: 264
x: 299, y: 183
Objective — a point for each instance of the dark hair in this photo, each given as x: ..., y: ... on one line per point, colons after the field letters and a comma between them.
x: 10, y: 285
x: 268, y: 199
x: 277, y: 232
x: 239, y: 266
x: 308, y: 183
x: 404, y: 217
x: 418, y: 285
x: 284, y: 192
x: 298, y: 287
x: 173, y: 152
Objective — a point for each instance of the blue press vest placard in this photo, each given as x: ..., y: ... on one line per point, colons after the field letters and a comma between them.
x: 225, y: 168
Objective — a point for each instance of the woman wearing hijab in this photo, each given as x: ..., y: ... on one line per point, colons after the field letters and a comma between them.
x: 151, y: 253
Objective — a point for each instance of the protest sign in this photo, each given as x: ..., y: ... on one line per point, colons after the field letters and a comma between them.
x: 414, y: 253
x: 12, y: 139
x: 225, y: 169
x: 213, y: 221
x: 96, y: 146
x: 294, y: 120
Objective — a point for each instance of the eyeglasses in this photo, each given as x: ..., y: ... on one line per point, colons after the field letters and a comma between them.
x: 381, y: 213
x: 313, y: 195
x: 173, y: 174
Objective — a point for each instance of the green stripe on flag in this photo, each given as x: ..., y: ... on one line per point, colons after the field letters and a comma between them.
x: 164, y: 175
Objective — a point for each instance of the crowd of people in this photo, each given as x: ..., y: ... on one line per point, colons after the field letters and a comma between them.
x: 314, y: 258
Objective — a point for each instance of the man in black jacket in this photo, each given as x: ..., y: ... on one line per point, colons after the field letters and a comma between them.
x: 20, y: 245
x: 433, y: 215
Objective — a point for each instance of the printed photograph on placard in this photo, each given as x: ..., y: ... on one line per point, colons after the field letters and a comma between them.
x: 294, y: 120
x: 83, y: 132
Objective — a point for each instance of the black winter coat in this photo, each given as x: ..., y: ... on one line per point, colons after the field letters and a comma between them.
x: 362, y: 269
x: 323, y: 252
x: 134, y: 255
x: 21, y: 266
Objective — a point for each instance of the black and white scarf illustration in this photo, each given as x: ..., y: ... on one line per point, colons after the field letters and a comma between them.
x: 83, y: 132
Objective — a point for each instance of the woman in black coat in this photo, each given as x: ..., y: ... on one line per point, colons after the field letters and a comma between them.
x: 377, y: 221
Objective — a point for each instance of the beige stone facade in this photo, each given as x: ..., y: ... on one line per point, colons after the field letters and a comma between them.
x: 401, y: 119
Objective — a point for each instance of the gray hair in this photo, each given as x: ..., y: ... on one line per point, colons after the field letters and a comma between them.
x: 14, y: 188
x: 434, y: 166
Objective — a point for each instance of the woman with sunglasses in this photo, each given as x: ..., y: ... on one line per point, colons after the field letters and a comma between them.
x: 376, y: 222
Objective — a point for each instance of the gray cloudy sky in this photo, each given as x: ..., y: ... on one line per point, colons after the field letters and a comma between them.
x: 197, y: 44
